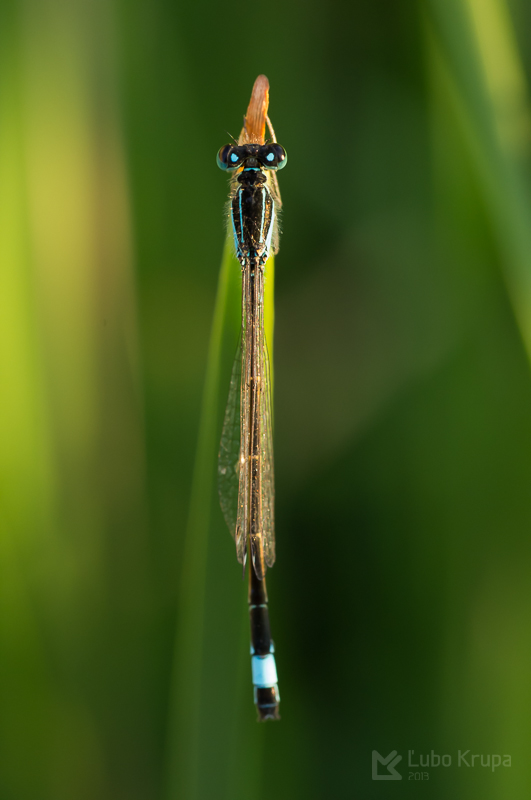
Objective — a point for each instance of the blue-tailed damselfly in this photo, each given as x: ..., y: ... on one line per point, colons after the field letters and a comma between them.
x: 245, y: 471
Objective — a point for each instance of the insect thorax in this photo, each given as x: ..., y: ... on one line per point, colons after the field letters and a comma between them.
x: 252, y: 215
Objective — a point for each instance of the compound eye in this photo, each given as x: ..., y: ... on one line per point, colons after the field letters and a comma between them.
x: 273, y: 156
x: 228, y: 158
x: 221, y: 158
x: 282, y: 156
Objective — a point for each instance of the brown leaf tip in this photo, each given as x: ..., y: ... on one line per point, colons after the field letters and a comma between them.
x: 254, y: 127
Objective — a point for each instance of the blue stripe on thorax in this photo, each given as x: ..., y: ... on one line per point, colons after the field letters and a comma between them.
x: 241, y: 215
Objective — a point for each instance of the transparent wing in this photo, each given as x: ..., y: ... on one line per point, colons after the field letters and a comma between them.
x: 229, y: 456
x: 245, y: 465
x: 259, y: 442
x: 267, y: 466
x: 275, y: 194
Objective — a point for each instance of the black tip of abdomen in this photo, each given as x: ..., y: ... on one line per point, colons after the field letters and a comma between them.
x: 267, y: 703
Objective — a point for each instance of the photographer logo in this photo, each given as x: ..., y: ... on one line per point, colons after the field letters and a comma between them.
x: 389, y: 762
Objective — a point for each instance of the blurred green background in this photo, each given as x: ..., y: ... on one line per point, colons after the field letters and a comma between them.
x: 401, y: 597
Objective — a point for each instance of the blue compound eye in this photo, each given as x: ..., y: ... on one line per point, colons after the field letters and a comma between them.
x: 228, y: 157
x: 273, y: 156
x: 282, y: 156
x: 221, y: 158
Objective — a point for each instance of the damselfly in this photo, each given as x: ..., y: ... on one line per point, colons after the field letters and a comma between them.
x: 245, y: 471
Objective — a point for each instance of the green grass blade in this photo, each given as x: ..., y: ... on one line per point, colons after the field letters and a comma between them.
x: 183, y: 753
x: 474, y: 53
